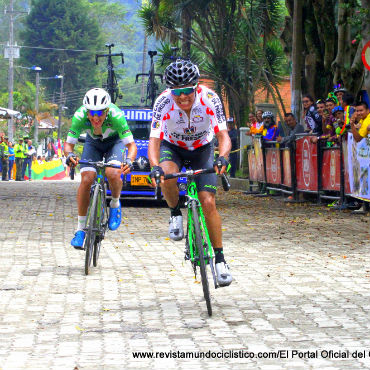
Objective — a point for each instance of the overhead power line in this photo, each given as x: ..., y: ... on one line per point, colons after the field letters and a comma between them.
x: 74, y: 50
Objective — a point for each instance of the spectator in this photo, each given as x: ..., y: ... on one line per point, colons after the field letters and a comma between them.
x: 311, y: 116
x: 29, y: 153
x: 328, y: 118
x: 19, y: 149
x: 4, y: 154
x: 233, y: 157
x: 339, y: 91
x: 259, y: 118
x: 256, y: 127
x: 11, y: 159
x: 330, y: 104
x: 270, y: 131
x: 294, y: 128
x: 252, y: 119
x: 347, y: 104
x: 361, y: 120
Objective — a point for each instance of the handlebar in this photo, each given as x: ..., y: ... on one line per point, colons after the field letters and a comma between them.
x: 225, y: 181
x: 99, y: 164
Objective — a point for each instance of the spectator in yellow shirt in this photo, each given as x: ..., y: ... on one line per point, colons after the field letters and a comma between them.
x: 360, y: 121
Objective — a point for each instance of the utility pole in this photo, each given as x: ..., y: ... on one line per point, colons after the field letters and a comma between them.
x: 60, y: 105
x: 297, y: 59
x: 37, y: 107
x: 145, y: 52
x: 144, y: 69
x: 11, y: 52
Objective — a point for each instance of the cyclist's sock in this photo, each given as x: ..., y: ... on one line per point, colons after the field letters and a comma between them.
x: 219, y: 253
x: 81, y: 222
x: 114, y: 203
x: 176, y: 210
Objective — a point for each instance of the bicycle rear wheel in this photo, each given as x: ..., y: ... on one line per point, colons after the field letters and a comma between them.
x: 91, y: 229
x: 202, y: 264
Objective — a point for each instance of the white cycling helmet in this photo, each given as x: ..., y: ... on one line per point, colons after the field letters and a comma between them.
x: 267, y: 114
x: 96, y: 99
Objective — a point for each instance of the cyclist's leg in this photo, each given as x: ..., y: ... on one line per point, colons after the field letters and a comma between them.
x: 115, y: 148
x: 113, y: 154
x: 88, y: 174
x: 170, y: 162
x: 207, y: 186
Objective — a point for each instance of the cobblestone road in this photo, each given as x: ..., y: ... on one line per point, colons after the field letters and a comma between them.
x: 302, y: 283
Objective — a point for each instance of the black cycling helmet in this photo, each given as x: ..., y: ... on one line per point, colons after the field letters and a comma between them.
x: 180, y: 73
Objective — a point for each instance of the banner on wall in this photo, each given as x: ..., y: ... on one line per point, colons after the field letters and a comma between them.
x: 358, y: 167
x: 52, y: 170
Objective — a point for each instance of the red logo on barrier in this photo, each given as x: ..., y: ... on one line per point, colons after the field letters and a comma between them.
x: 333, y: 168
x: 274, y: 166
x: 306, y: 162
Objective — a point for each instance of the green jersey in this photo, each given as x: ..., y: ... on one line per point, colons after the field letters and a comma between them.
x: 115, y: 124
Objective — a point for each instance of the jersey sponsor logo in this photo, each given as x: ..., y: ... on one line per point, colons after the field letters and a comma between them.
x: 210, y: 95
x: 197, y: 110
x: 219, y: 112
x: 115, y: 113
x: 155, y: 125
x: 181, y: 120
x: 159, y: 106
x: 72, y: 132
x: 197, y: 119
x: 190, y: 130
x: 192, y: 137
x: 126, y: 132
x: 80, y: 114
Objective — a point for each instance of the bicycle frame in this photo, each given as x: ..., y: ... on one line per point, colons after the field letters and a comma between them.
x: 192, y: 196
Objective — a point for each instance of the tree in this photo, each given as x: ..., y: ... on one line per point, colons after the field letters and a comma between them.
x: 333, y: 36
x: 63, y: 24
x: 221, y: 37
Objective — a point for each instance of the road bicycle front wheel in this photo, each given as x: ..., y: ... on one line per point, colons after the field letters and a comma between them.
x: 91, y: 229
x: 202, y: 264
x: 102, y: 218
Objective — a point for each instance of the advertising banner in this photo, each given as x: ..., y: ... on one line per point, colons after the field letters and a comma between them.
x: 358, y: 167
x: 273, y: 168
x: 287, y: 168
x: 331, y: 169
x: 257, y: 143
x: 306, y: 164
x: 252, y: 165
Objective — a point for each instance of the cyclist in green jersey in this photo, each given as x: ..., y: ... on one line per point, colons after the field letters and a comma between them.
x: 108, y: 135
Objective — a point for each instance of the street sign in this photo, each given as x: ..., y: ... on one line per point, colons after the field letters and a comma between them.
x: 11, y: 51
x: 366, y: 55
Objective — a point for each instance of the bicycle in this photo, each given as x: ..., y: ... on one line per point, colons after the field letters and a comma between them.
x: 112, y: 84
x: 97, y: 215
x: 152, y: 85
x: 198, y: 247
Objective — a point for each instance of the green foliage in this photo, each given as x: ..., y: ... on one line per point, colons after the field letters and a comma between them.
x: 222, y: 42
x: 64, y: 25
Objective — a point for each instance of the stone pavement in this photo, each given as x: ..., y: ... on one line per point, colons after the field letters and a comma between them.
x: 301, y: 289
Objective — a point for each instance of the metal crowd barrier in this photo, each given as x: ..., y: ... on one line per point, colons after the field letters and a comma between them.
x: 300, y: 167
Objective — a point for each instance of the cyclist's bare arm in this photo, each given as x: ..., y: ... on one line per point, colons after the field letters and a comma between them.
x: 68, y: 148
x: 224, y: 147
x: 153, y: 155
x: 131, y: 154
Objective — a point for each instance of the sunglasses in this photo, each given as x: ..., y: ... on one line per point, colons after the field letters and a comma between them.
x: 305, y: 101
x: 98, y: 113
x: 184, y: 90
